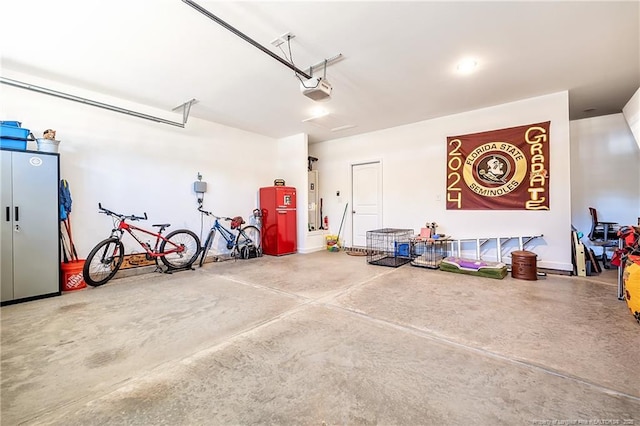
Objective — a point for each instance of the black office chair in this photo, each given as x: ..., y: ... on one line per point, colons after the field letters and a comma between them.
x: 603, y: 234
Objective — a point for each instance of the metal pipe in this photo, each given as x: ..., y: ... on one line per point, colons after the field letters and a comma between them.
x: 245, y: 37
x: 324, y: 64
x: 186, y: 108
x: 74, y: 98
x: 621, y: 295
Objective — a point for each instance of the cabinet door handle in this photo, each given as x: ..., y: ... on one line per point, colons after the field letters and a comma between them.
x: 8, y: 211
x: 17, y: 215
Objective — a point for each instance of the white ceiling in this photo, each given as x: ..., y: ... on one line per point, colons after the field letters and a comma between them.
x: 398, y: 67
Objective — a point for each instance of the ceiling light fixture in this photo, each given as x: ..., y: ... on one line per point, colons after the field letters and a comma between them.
x: 467, y: 66
x: 315, y: 88
x: 319, y: 112
x: 330, y: 122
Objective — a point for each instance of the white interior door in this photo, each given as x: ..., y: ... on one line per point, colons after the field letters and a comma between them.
x: 366, y: 209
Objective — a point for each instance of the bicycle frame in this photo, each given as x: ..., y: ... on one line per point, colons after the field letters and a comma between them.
x: 227, y: 234
x: 152, y: 252
x: 121, y: 226
x: 178, y: 250
x: 243, y: 242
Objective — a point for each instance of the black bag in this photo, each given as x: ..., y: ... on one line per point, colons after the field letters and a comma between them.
x: 249, y: 251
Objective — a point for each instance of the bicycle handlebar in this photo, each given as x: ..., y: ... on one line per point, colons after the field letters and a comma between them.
x: 121, y: 216
x: 208, y: 213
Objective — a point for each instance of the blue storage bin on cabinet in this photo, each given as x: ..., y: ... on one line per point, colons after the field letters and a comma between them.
x: 12, y: 136
x: 12, y: 132
x: 11, y: 123
x: 13, y: 143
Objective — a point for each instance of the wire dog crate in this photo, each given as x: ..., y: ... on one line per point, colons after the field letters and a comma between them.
x: 389, y: 246
x: 429, y: 253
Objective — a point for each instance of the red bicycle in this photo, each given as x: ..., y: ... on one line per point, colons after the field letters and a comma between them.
x: 178, y: 250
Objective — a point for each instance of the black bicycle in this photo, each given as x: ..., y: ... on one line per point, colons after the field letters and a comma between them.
x: 244, y: 243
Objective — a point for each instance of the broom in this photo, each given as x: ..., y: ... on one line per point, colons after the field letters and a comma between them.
x: 63, y: 242
x: 341, y: 222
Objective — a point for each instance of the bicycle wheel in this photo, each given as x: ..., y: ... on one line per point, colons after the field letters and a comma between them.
x: 206, y: 247
x: 103, y: 262
x: 184, y: 259
x: 249, y: 235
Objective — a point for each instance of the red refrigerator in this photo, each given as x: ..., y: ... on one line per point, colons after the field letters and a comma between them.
x: 279, y: 231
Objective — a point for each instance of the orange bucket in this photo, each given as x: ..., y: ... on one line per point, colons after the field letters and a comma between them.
x: 72, y: 278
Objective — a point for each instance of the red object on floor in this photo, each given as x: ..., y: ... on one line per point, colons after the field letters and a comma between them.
x: 71, y: 276
x: 279, y: 224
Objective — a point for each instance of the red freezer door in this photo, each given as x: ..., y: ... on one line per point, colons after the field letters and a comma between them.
x: 287, y: 232
x: 269, y: 234
x: 279, y: 233
x: 285, y: 197
x: 269, y: 220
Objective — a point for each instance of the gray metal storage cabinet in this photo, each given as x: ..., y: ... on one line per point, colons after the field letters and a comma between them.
x: 29, y: 248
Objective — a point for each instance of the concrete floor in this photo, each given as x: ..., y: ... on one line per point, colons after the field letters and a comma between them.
x: 323, y: 338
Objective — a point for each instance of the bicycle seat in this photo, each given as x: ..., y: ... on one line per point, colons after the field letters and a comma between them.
x: 162, y: 225
x: 236, y: 222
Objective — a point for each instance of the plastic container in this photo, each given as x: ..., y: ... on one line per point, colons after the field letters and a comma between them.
x: 13, y: 143
x: 632, y: 286
x: 11, y: 123
x: 47, y: 145
x: 524, y: 265
x: 13, y: 132
x: 332, y: 243
x: 402, y: 249
x: 72, y: 278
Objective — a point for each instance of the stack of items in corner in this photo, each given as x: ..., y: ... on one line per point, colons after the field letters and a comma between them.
x: 629, y: 257
x: 332, y: 243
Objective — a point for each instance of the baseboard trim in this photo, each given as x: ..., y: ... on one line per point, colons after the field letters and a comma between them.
x: 310, y: 250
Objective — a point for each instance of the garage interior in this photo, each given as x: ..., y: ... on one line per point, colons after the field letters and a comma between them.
x: 164, y: 110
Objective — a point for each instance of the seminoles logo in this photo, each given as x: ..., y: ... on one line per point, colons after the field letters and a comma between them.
x: 494, y: 169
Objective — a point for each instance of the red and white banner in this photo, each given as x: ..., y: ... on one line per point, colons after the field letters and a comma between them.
x: 503, y: 169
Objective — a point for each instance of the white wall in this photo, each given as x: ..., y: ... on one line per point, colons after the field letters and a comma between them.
x: 631, y: 112
x: 605, y: 172
x: 292, y: 167
x: 133, y: 165
x: 414, y: 177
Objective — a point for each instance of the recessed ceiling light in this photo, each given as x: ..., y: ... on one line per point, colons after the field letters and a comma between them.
x: 316, y: 113
x: 467, y: 66
x: 319, y: 112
